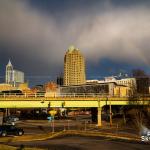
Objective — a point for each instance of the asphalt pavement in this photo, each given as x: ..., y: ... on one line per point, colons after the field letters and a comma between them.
x: 35, y: 127
x: 83, y: 143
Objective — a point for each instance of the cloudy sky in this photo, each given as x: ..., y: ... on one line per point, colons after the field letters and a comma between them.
x: 113, y: 35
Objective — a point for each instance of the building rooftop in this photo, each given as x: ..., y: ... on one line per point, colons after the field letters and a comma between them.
x: 72, y: 49
x: 9, y: 63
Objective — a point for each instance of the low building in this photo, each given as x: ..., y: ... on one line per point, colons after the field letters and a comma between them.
x: 23, y: 87
x: 92, y: 81
x: 129, y: 82
x: 122, y: 91
x: 6, y: 87
x: 88, y: 89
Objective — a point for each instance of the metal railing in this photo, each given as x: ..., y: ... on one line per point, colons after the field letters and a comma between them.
x: 53, y: 95
x: 63, y: 95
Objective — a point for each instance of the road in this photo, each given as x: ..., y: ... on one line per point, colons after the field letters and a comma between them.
x: 35, y: 127
x: 43, y: 126
x: 83, y: 143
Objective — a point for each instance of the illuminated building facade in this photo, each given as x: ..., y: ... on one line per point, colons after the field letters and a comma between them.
x: 74, y: 67
x: 13, y: 77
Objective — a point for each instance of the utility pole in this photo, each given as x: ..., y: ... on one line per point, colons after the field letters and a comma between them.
x: 85, y: 125
x: 53, y: 126
x: 68, y: 124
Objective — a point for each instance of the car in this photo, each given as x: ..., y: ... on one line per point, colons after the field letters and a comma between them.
x: 10, y: 130
x: 10, y: 119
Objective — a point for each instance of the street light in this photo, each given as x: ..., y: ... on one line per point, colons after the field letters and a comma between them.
x: 50, y: 118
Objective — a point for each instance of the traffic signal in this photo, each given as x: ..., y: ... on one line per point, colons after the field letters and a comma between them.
x: 49, y: 105
x: 63, y: 104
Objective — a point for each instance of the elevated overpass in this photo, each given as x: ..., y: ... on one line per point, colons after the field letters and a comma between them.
x: 69, y: 101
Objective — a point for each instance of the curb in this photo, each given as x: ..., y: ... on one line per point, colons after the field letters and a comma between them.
x: 101, y: 134
x: 73, y: 132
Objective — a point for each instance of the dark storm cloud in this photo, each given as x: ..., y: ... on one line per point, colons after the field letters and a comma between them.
x: 100, y: 30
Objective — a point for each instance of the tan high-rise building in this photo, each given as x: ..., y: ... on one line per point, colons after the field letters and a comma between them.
x: 74, y: 67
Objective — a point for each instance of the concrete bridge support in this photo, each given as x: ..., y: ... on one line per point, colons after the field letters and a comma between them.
x: 99, y: 116
x: 7, y: 112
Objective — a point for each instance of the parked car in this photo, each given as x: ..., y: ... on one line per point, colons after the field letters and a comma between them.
x: 10, y: 119
x: 10, y: 130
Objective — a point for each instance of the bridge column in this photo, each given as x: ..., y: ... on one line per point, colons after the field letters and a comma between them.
x: 7, y: 112
x: 99, y: 116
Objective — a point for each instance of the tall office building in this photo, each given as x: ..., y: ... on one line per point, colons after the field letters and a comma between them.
x: 18, y: 76
x: 9, y: 73
x: 74, y: 67
x: 13, y: 77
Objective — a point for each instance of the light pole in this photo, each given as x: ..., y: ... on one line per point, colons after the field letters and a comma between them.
x: 68, y: 124
x: 53, y: 113
x: 110, y: 112
x: 85, y: 125
x: 62, y: 106
x: 53, y: 126
x: 51, y: 118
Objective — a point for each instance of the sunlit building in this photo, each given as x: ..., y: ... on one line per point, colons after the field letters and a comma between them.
x: 23, y: 87
x: 129, y: 82
x: 122, y: 91
x: 74, y: 67
x: 18, y: 77
x: 13, y: 77
x: 9, y: 73
x: 6, y: 87
x: 122, y: 87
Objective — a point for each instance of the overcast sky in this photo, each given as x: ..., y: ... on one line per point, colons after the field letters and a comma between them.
x: 113, y: 35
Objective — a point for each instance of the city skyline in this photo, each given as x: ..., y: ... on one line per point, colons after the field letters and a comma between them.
x: 108, y: 32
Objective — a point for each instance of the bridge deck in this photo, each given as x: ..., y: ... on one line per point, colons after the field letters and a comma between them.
x: 37, y: 102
